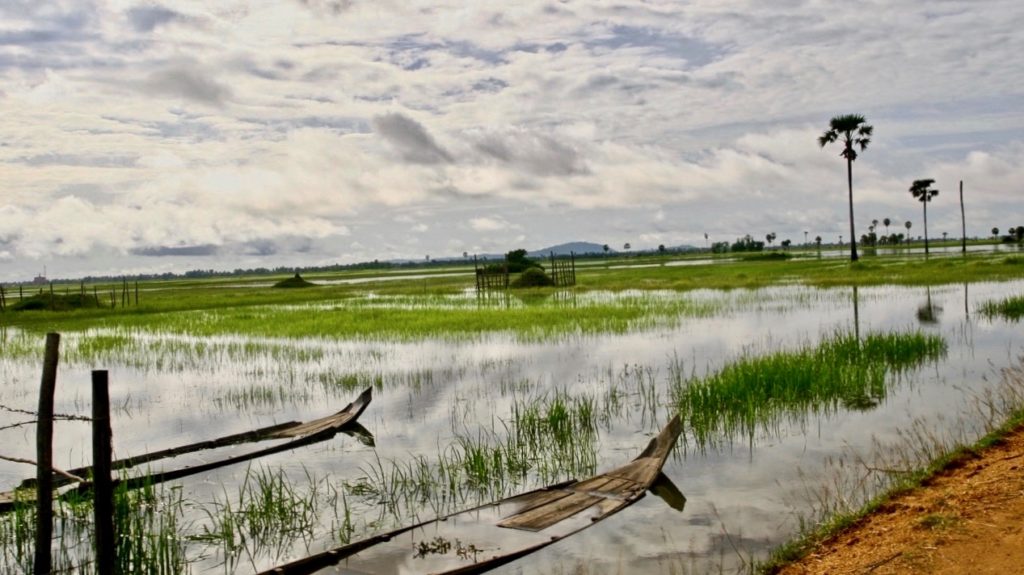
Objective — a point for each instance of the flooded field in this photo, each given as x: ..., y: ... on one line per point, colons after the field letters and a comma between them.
x: 460, y: 419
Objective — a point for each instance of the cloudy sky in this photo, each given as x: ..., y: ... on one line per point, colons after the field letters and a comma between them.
x: 168, y: 136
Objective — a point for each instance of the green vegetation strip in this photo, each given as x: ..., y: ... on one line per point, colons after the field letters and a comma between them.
x: 408, y: 317
x: 757, y: 393
x: 159, y: 299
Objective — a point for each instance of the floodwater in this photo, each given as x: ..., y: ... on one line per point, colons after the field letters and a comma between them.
x: 745, y: 494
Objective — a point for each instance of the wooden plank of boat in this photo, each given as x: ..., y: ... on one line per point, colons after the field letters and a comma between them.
x: 298, y: 433
x: 483, y: 538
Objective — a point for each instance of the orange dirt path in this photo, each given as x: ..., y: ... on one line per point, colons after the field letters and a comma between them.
x: 967, y: 519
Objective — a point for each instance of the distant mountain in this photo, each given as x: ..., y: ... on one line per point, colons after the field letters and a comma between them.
x: 578, y: 248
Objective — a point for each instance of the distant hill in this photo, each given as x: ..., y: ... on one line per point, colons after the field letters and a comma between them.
x: 579, y: 248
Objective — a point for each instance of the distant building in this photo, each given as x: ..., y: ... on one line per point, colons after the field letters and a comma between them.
x: 40, y: 279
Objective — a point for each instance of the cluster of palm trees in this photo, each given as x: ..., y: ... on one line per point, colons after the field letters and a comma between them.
x: 853, y: 131
x: 873, y: 239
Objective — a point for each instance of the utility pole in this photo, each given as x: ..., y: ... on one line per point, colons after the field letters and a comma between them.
x: 963, y: 221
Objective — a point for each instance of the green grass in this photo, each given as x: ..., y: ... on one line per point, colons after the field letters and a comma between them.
x: 550, y: 438
x: 1011, y: 308
x: 756, y: 393
x: 400, y: 317
x: 265, y: 516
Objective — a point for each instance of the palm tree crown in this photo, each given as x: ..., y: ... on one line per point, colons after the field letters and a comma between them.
x: 922, y: 190
x: 855, y: 133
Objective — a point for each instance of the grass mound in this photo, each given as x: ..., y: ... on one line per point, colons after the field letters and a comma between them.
x: 56, y: 302
x: 294, y: 282
x: 766, y: 257
x: 533, y: 277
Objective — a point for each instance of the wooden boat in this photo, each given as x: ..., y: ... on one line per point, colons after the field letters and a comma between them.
x: 485, y: 537
x: 296, y: 434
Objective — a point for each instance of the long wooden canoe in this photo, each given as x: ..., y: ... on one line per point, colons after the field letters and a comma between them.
x: 297, y: 433
x: 485, y: 537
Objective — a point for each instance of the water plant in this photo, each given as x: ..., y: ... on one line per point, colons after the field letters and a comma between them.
x: 263, y: 518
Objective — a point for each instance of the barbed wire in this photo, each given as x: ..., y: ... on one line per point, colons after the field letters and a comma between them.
x: 68, y: 417
x: 19, y: 424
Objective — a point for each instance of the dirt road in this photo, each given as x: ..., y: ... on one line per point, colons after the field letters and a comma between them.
x: 967, y: 519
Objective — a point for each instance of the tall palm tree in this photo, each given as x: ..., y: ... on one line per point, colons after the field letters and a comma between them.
x: 907, y: 225
x: 922, y: 190
x: 854, y: 131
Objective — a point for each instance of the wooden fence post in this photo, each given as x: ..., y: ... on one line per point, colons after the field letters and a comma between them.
x: 103, y: 491
x: 44, y: 457
x: 3, y: 300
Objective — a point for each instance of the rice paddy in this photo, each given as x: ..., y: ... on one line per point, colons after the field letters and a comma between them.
x: 479, y: 398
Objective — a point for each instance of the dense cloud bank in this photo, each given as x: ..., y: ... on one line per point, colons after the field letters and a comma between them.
x: 152, y: 137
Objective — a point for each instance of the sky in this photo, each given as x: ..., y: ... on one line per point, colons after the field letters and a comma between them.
x: 151, y: 137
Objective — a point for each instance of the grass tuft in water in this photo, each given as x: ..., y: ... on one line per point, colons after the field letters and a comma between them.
x: 756, y: 394
x: 1011, y: 308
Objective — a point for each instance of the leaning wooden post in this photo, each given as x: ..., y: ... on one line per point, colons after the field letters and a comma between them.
x: 963, y: 221
x: 52, y: 302
x: 136, y: 293
x: 103, y: 490
x: 3, y: 302
x: 44, y: 457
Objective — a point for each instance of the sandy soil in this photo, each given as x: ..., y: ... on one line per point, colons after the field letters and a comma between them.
x: 968, y: 519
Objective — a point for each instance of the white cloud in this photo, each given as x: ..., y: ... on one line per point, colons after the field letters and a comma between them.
x: 485, y: 224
